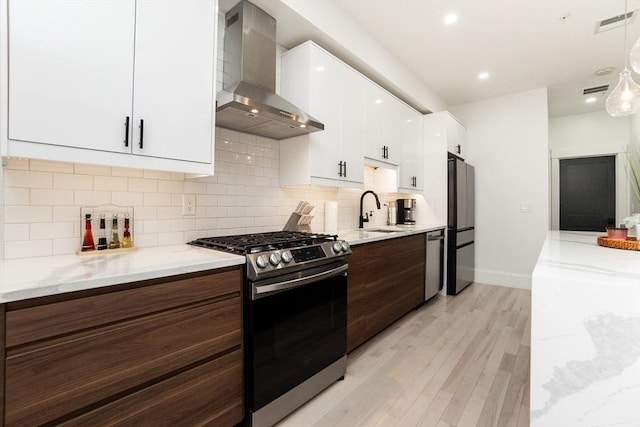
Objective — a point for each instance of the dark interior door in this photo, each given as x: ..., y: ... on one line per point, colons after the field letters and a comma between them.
x: 587, y: 193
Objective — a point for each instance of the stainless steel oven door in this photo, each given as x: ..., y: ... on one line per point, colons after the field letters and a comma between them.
x: 296, y: 327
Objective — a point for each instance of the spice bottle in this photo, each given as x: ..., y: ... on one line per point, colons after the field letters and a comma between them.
x: 115, y: 241
x: 126, y: 238
x: 102, y: 234
x: 87, y: 240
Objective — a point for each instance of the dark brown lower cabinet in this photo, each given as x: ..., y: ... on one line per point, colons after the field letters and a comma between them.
x: 386, y: 281
x: 161, y: 352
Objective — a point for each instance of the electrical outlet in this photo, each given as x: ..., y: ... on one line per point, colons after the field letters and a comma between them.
x: 188, y: 204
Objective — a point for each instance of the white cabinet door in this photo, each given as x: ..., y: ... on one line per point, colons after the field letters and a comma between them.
x: 456, y: 134
x: 325, y: 94
x: 70, y: 68
x: 392, y: 124
x: 381, y: 120
x: 352, y: 140
x: 333, y: 93
x: 174, y: 81
x: 412, y: 166
x: 375, y: 115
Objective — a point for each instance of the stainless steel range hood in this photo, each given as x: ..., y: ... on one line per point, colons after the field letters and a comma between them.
x: 248, y: 101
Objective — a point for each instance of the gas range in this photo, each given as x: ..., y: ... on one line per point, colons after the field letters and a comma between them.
x: 274, y: 253
x: 295, y: 317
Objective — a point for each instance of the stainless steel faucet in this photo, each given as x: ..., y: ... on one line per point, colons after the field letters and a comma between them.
x: 365, y: 218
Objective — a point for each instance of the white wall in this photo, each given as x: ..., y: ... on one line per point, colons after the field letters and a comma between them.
x: 587, y: 135
x: 507, y: 142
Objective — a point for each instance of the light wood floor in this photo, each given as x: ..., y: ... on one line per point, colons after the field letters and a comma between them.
x: 456, y: 361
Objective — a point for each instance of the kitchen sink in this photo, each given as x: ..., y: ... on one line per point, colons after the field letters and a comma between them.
x: 382, y: 230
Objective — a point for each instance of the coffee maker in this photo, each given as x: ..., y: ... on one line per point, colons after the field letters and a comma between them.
x: 406, y: 211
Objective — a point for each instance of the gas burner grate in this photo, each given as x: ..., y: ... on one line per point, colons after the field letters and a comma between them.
x: 261, y: 242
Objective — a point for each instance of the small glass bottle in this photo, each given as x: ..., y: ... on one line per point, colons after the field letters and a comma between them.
x: 126, y: 237
x: 102, y: 234
x: 87, y: 240
x: 115, y: 241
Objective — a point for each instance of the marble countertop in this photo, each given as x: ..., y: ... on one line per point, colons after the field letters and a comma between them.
x: 368, y: 234
x: 585, y: 334
x: 26, y: 278
x: 42, y: 276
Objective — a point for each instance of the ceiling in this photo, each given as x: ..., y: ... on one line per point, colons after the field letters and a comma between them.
x: 522, y: 44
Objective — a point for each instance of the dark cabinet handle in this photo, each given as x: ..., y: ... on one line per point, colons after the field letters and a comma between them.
x: 345, y: 169
x: 386, y: 152
x: 126, y: 132
x: 141, y: 133
x: 340, y: 168
x: 458, y: 149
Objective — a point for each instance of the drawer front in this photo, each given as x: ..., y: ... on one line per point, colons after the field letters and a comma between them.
x: 49, y: 379
x: 50, y: 320
x: 210, y: 394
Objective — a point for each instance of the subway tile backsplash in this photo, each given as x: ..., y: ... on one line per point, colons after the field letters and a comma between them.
x: 42, y: 199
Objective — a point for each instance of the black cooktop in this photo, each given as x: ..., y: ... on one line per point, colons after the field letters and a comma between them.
x: 253, y: 243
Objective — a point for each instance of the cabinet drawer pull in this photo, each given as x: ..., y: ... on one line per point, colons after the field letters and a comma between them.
x: 141, y: 133
x: 126, y: 132
x: 340, y: 168
x: 345, y: 169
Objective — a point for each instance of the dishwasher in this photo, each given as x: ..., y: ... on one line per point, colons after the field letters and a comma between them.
x: 434, y: 266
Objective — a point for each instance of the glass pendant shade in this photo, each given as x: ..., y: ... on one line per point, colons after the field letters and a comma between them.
x: 625, y: 98
x: 634, y: 57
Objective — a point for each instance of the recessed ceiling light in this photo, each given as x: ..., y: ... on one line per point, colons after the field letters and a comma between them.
x: 378, y: 101
x: 483, y: 75
x: 255, y: 110
x: 451, y: 18
x: 320, y: 68
x: 604, y: 71
x: 591, y: 100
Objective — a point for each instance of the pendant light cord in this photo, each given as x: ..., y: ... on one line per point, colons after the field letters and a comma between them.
x: 626, y: 57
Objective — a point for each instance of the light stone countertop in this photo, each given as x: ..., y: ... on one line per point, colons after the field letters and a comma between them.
x: 42, y: 276
x: 585, y: 334
x: 367, y: 234
x: 26, y: 278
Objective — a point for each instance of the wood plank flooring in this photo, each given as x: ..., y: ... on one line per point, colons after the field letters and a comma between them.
x: 455, y: 361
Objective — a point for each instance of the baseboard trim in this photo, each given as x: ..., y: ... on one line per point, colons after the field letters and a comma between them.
x: 519, y: 281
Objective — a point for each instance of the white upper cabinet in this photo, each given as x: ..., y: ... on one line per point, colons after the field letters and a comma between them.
x: 455, y: 133
x: 435, y: 161
x: 381, y: 118
x: 332, y: 93
x: 411, y: 177
x: 84, y: 76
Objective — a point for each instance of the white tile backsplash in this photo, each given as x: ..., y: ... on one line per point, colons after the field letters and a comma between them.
x: 42, y: 200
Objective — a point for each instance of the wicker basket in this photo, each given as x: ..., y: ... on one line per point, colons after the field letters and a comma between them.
x: 631, y: 244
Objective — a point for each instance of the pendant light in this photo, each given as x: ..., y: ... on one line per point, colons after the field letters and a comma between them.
x: 624, y: 100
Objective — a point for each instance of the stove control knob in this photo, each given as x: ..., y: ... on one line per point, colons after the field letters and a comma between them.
x: 274, y: 259
x: 345, y: 246
x: 337, y: 247
x: 286, y: 257
x: 262, y: 261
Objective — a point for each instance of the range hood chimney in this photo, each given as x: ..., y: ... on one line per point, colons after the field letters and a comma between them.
x: 248, y: 101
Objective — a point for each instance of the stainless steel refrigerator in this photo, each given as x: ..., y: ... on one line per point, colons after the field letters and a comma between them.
x: 460, y: 226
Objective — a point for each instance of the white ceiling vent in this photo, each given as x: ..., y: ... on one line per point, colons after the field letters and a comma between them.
x: 595, y: 89
x: 614, y: 22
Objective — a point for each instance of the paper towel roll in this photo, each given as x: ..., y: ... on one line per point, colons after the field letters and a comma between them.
x: 331, y: 217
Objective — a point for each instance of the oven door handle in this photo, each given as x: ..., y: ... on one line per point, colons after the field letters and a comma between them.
x: 260, y: 290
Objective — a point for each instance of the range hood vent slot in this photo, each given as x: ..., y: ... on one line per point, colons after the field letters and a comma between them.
x: 595, y: 89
